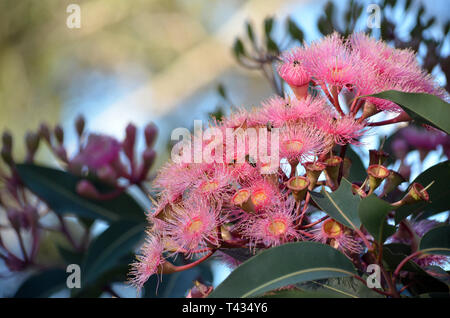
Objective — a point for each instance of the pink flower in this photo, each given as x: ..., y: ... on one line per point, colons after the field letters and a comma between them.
x: 338, y: 236
x: 100, y: 150
x: 275, y: 226
x: 280, y: 111
x: 193, y: 225
x: 148, y: 262
x: 330, y: 62
x: 293, y: 72
x: 299, y: 141
x: 214, y: 184
x: 344, y: 130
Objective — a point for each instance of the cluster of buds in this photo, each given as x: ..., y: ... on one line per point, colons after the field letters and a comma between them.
x: 227, y: 202
x: 19, y: 208
x: 99, y: 156
x: 104, y: 157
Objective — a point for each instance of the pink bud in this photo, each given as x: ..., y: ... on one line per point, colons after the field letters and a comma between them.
x: 79, y: 125
x: 59, y: 134
x: 44, y: 132
x: 87, y: 189
x: 150, y: 132
x: 32, y: 143
x: 130, y: 139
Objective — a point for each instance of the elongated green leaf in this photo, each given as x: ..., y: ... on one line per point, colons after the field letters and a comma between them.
x: 43, y: 284
x: 342, y: 205
x: 114, y: 243
x: 58, y: 189
x: 298, y: 293
x: 373, y: 212
x: 422, y: 107
x: 436, y: 241
x: 284, y: 265
x: 343, y: 287
x: 439, y: 193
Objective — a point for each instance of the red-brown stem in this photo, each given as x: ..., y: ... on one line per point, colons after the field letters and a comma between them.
x: 404, y: 261
x: 193, y: 264
x: 316, y: 222
x: 336, y: 101
x: 305, y: 207
x: 306, y: 233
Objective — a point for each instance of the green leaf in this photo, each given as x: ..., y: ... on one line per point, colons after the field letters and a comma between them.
x: 425, y: 108
x: 294, y: 31
x: 43, y: 284
x: 115, y: 242
x: 342, y: 205
x: 436, y: 241
x: 439, y: 193
x: 373, y: 214
x: 284, y: 265
x: 250, y: 33
x: 238, y: 48
x: 298, y: 293
x: 344, y: 287
x: 58, y: 189
x: 268, y: 25
x: 357, y: 170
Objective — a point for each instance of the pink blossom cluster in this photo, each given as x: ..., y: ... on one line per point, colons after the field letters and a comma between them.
x: 206, y: 206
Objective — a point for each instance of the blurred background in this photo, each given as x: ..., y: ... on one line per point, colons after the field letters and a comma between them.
x: 151, y: 60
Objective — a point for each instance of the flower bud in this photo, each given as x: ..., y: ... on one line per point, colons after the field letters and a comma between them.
x: 377, y: 173
x: 300, y: 92
x: 242, y: 198
x: 369, y: 110
x: 32, y: 144
x: 299, y: 187
x: 7, y: 140
x: 44, y: 132
x: 199, y: 290
x: 150, y: 133
x: 87, y: 189
x: 392, y: 182
x: 332, y: 171
x: 80, y: 123
x: 416, y: 193
x: 313, y: 171
x: 377, y: 157
x: 59, y: 134
x: 130, y: 139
